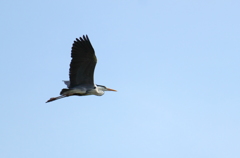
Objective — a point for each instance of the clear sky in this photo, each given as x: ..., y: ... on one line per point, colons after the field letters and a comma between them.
x: 174, y: 63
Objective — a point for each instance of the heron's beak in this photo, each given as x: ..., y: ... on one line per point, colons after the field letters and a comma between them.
x: 111, y: 90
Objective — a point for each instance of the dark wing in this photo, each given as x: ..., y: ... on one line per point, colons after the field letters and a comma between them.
x: 83, y: 62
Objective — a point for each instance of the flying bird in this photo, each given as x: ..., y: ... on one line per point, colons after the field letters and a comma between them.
x: 81, y: 72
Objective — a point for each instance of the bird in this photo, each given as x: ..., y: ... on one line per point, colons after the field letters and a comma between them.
x: 81, y: 72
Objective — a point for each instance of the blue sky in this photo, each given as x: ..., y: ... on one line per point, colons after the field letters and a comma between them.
x: 174, y: 63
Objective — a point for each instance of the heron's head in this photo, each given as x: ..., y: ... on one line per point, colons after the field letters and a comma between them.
x: 103, y: 88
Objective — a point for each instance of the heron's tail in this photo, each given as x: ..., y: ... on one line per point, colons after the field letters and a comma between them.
x: 63, y: 91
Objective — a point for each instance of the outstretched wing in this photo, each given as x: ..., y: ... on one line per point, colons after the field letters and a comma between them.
x: 83, y: 62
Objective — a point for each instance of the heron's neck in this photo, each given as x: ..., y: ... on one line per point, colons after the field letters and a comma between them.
x: 99, y: 91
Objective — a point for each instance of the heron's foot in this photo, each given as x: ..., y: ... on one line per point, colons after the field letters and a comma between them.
x: 51, y: 99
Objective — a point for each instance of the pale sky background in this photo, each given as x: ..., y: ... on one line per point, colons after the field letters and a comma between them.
x: 174, y: 63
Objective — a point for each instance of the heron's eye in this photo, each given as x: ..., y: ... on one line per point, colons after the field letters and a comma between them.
x: 94, y: 87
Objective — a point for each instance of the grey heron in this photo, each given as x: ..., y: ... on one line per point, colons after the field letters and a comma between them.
x: 81, y: 72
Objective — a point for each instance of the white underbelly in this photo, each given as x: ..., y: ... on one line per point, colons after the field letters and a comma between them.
x: 80, y: 91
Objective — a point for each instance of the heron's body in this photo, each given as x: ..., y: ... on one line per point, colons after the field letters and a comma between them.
x: 81, y: 72
x: 83, y: 90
